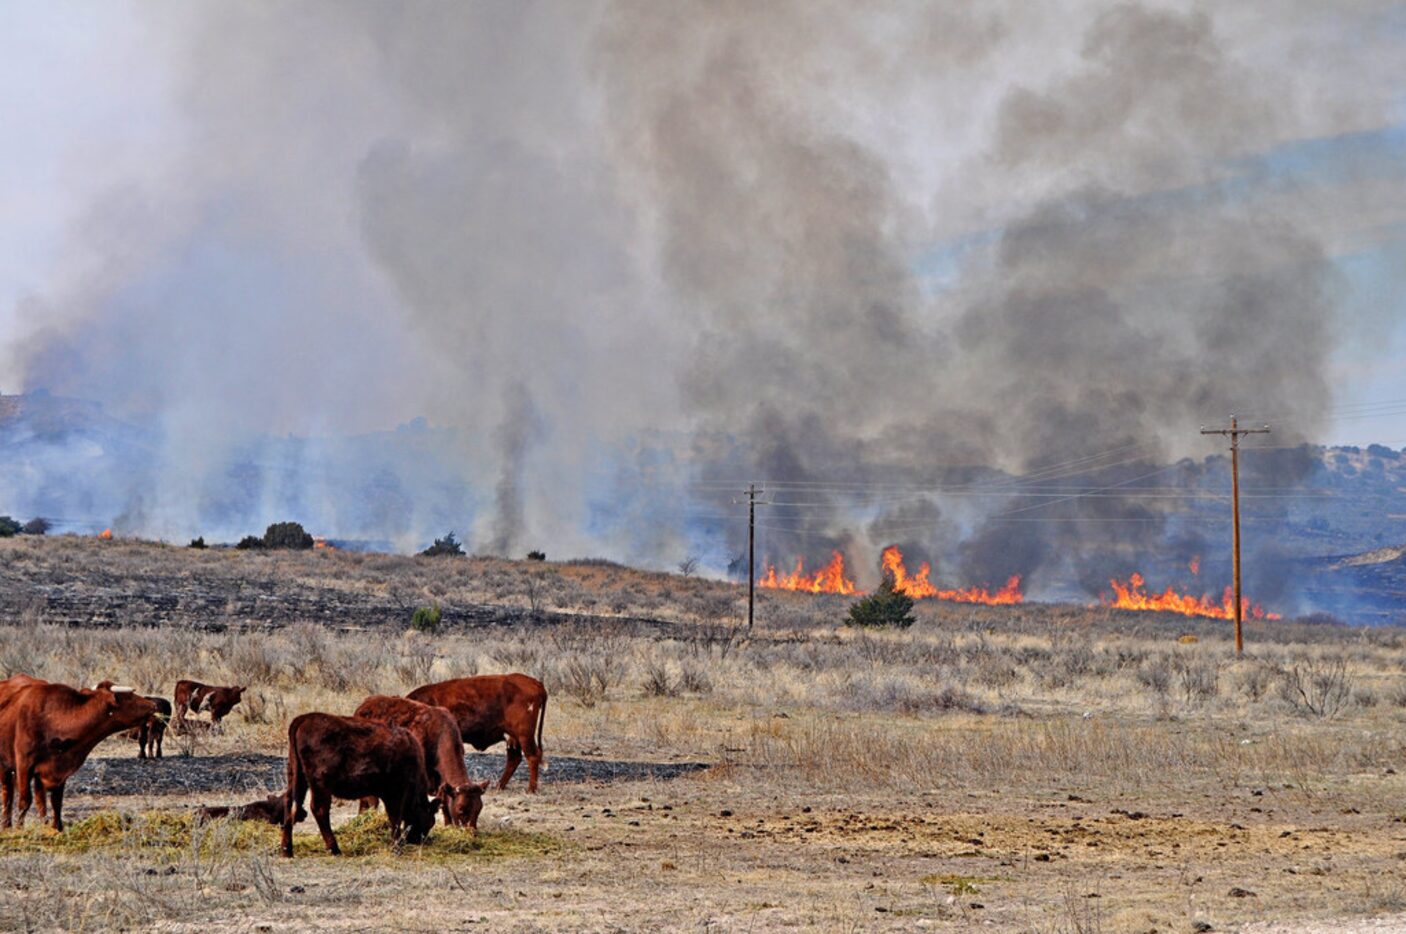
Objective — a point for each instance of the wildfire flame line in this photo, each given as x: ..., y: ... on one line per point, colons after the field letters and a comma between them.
x: 833, y: 578
x: 1133, y: 595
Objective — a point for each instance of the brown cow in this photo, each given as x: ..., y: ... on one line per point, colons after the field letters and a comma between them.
x: 351, y: 758
x: 47, y: 731
x: 434, y: 727
x: 270, y: 810
x: 492, y: 709
x: 153, y: 731
x: 194, y: 697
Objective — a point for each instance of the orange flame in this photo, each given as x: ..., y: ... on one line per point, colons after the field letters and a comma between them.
x: 1132, y: 595
x: 918, y: 586
x: 833, y: 579
x: 105, y: 534
x: 829, y: 579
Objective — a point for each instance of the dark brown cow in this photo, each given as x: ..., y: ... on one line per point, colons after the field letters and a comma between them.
x: 434, y: 727
x: 193, y: 697
x: 47, y: 731
x: 351, y: 758
x: 270, y: 810
x: 492, y: 709
x: 153, y: 731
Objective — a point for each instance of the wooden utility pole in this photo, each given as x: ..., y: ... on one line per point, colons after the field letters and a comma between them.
x: 1234, y: 432
x: 752, y: 493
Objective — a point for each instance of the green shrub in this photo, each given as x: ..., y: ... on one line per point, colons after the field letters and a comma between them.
x: 883, y: 607
x: 250, y: 542
x: 447, y: 545
x: 197, y: 542
x: 8, y: 527
x: 535, y: 555
x: 287, y: 535
x: 426, y: 619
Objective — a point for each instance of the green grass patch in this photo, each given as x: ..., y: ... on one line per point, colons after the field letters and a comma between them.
x: 166, y: 835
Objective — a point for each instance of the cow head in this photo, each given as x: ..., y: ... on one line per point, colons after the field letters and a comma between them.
x: 419, y: 818
x: 222, y: 700
x: 125, y: 708
x: 462, y: 803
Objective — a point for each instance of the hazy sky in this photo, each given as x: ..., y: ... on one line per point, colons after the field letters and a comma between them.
x: 191, y: 155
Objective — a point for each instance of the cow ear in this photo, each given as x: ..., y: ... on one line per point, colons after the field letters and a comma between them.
x: 483, y: 786
x: 446, y: 790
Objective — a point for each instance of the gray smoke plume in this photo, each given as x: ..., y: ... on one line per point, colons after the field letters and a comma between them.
x: 618, y: 252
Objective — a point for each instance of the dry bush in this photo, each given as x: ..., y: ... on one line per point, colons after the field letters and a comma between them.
x: 588, y: 677
x: 1317, y: 686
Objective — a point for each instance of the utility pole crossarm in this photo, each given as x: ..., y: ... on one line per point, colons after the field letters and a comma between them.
x: 1234, y: 433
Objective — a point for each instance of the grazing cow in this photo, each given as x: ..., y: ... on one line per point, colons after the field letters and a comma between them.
x: 47, y: 731
x: 351, y: 758
x: 153, y: 731
x: 270, y: 810
x: 193, y: 697
x: 439, y: 736
x: 492, y: 709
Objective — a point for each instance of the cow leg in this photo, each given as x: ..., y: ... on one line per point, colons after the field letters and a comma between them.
x: 322, y: 813
x: 292, y: 806
x: 158, y: 735
x: 39, y: 798
x: 368, y: 803
x: 509, y: 767
x: 24, y: 781
x: 7, y: 797
x: 143, y: 735
x: 56, y: 797
x: 533, y: 752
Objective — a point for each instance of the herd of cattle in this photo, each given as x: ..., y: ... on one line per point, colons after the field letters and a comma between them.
x: 406, y: 753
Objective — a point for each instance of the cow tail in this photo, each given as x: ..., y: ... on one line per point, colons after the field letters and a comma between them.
x: 541, y: 718
x: 297, y: 774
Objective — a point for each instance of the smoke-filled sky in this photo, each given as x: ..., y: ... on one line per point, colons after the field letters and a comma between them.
x: 860, y: 242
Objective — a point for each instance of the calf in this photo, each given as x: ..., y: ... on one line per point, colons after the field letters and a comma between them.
x: 351, y: 758
x: 47, y: 731
x: 460, y: 798
x: 192, y: 696
x: 270, y: 810
x: 153, y: 731
x: 496, y: 708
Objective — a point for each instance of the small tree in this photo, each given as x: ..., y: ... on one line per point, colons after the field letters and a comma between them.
x: 447, y: 545
x: 426, y: 619
x: 884, y: 607
x: 536, y: 555
x: 36, y: 526
x: 287, y: 535
x: 198, y: 542
x: 688, y: 565
x: 8, y: 527
x: 250, y: 543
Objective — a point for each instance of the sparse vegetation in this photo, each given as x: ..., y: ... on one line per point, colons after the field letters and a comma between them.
x: 36, y: 526
x: 965, y: 747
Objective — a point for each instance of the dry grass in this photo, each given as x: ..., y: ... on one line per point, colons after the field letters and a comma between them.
x: 1026, y: 758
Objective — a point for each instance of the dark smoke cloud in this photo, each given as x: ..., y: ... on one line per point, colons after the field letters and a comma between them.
x: 622, y: 247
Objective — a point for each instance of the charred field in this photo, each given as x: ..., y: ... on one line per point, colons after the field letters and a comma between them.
x: 1027, y: 768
